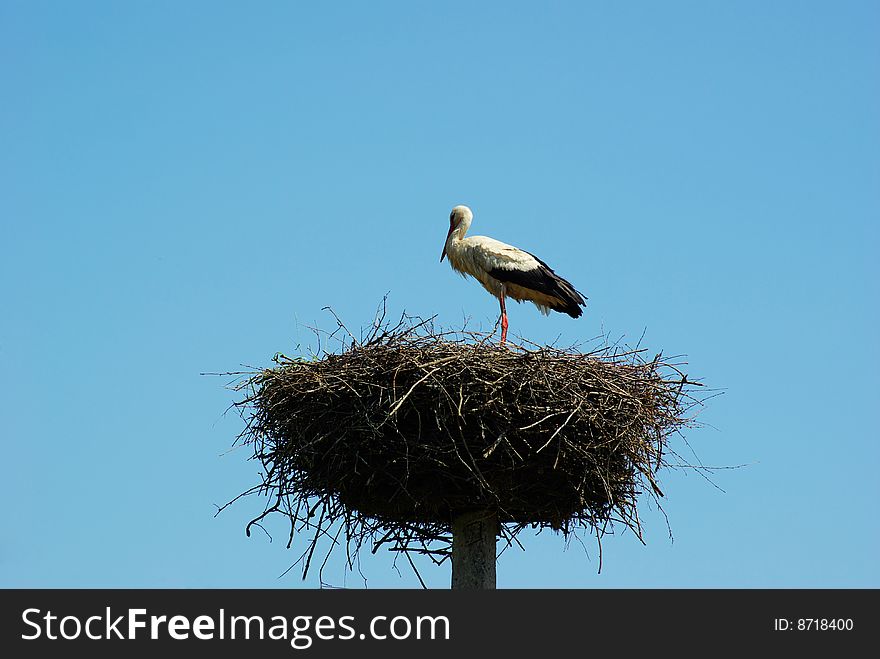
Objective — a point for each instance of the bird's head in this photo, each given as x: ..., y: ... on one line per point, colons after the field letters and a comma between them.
x: 459, y: 215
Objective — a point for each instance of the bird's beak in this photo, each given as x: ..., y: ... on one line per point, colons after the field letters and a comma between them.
x: 443, y: 255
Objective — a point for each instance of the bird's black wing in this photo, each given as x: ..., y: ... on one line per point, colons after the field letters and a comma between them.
x: 544, y: 280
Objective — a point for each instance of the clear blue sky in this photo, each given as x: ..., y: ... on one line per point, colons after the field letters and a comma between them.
x: 186, y: 185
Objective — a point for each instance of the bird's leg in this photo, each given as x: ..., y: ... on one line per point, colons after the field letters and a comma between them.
x: 503, y: 318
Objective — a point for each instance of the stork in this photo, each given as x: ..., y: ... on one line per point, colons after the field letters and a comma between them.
x: 506, y: 271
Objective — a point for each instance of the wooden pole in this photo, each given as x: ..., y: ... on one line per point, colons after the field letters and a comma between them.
x: 473, y: 550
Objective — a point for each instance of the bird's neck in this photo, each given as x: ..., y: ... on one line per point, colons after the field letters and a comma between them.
x: 458, y: 234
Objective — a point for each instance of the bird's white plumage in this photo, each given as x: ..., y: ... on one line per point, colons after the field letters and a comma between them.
x: 477, y: 255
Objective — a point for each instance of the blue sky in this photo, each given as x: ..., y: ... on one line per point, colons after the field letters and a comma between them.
x: 186, y: 185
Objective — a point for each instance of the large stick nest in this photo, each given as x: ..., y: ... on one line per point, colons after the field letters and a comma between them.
x: 400, y: 431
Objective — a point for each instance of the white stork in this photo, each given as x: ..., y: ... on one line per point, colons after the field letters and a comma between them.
x: 506, y: 271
